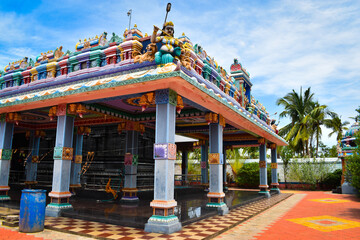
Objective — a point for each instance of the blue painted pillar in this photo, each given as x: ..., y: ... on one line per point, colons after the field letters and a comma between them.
x: 163, y: 219
x: 32, y: 161
x: 76, y: 162
x: 216, y: 194
x: 274, y: 172
x: 6, y: 135
x: 224, y: 166
x: 63, y: 154
x: 184, y: 167
x: 204, y: 165
x: 263, y: 173
x: 131, y: 163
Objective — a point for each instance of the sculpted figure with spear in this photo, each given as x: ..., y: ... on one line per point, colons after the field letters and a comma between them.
x: 171, y: 47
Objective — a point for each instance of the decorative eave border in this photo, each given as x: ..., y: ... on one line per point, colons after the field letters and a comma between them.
x: 142, y: 76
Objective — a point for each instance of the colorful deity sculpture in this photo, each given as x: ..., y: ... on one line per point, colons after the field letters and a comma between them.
x: 171, y: 47
x: 345, y: 148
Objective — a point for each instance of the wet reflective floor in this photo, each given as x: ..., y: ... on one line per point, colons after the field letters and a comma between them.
x: 191, y: 207
x: 93, y: 206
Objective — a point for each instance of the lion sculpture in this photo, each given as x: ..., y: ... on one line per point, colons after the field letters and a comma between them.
x: 185, y: 58
x: 149, y: 56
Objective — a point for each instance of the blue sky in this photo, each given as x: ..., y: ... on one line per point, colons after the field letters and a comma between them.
x: 283, y: 44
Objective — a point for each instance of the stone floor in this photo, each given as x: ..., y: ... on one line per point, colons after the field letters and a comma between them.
x: 207, y: 228
x: 291, y: 215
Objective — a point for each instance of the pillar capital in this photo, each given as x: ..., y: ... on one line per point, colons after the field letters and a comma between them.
x: 63, y: 153
x: 262, y: 164
x: 272, y: 145
x: 35, y: 159
x: 131, y: 126
x: 215, y: 118
x: 12, y: 117
x: 165, y: 96
x: 215, y: 158
x: 165, y: 151
x: 5, y: 154
x: 262, y: 141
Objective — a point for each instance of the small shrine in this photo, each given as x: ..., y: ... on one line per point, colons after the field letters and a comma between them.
x: 345, y: 148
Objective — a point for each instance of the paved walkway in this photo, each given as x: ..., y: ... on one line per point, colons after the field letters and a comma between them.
x: 304, y: 215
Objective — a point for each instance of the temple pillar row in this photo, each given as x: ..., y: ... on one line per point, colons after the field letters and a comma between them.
x: 184, y: 167
x: 204, y: 164
x: 263, y: 170
x: 163, y: 219
x: 216, y: 194
x: 131, y: 163
x: 32, y: 160
x: 76, y: 162
x: 6, y: 135
x: 274, y: 170
x: 63, y: 154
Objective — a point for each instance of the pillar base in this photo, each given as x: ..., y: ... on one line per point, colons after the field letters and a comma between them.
x: 275, y: 188
x: 129, y: 195
x: 265, y: 193
x: 55, y: 209
x: 216, y: 200
x: 4, y: 198
x: 126, y: 199
x: 163, y: 224
x: 222, y: 208
x: 346, y: 188
x: 4, y: 193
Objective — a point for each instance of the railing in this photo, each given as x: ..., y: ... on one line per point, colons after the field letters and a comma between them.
x: 187, y: 179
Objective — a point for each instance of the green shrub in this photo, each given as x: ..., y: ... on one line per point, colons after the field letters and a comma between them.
x: 248, y: 175
x: 332, y: 180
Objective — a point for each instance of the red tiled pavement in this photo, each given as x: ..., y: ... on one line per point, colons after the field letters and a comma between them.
x: 306, y: 208
x: 7, y: 234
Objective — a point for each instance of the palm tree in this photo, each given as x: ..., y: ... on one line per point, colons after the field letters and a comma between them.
x: 317, y: 118
x: 336, y: 125
x: 297, y: 107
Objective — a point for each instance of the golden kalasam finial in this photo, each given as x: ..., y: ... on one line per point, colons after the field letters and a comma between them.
x: 96, y: 37
x: 146, y: 34
x: 135, y: 26
x: 183, y: 34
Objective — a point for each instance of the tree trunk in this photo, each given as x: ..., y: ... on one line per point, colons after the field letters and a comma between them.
x: 317, y: 144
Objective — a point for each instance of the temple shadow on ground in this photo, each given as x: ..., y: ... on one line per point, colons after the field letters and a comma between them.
x: 96, y: 205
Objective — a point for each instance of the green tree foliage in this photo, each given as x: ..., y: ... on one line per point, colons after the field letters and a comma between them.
x: 251, y: 152
x: 310, y: 171
x: 238, y: 160
x: 286, y: 153
x: 307, y: 116
x: 353, y: 165
x: 194, y: 159
x: 249, y: 175
x: 332, y: 180
x: 336, y: 125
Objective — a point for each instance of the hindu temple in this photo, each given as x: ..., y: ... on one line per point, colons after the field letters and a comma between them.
x: 101, y: 118
x: 345, y: 148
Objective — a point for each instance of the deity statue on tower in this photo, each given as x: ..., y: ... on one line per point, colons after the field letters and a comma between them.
x: 171, y: 46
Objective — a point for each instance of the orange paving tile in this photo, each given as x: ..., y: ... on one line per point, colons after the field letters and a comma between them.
x: 311, y: 219
x: 6, y: 234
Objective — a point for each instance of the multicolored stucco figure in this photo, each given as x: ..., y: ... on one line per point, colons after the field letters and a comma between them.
x: 171, y: 47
